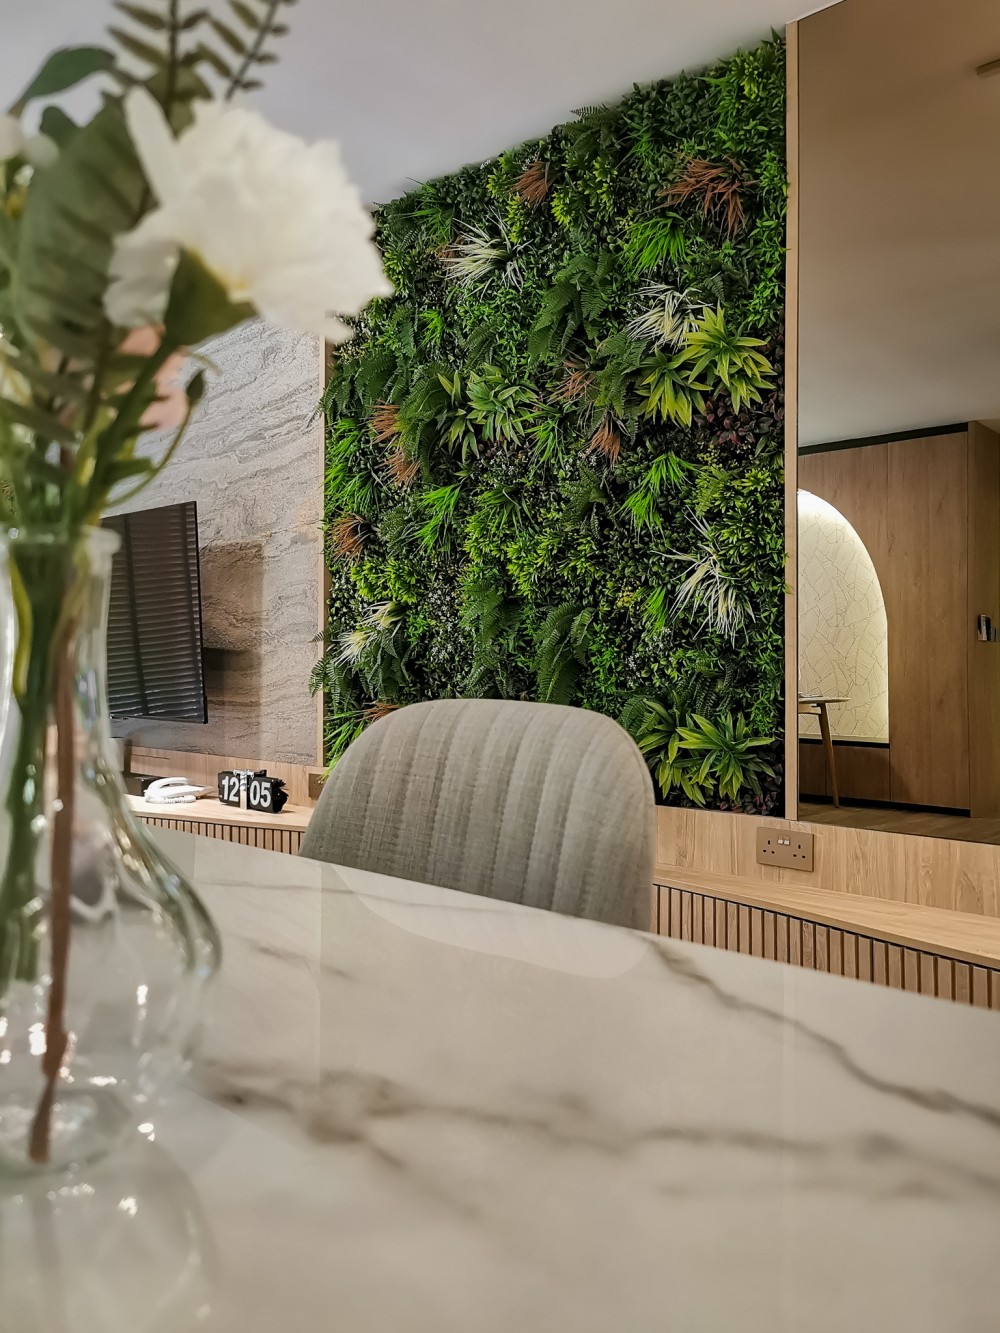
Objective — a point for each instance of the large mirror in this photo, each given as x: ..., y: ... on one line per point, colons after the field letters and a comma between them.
x: 899, y: 413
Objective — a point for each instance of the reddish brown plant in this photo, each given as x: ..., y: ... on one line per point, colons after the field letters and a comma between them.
x: 349, y: 536
x: 533, y: 183
x: 575, y: 384
x: 718, y: 185
x: 385, y: 421
x: 379, y: 710
x: 605, y: 441
x: 401, y: 468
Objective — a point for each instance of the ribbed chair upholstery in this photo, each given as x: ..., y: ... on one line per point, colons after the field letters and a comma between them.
x: 531, y: 803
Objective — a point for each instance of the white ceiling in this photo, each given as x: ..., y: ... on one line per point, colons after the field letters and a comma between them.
x: 900, y: 218
x: 416, y: 88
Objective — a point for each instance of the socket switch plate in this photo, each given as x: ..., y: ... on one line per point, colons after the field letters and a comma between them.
x: 785, y: 847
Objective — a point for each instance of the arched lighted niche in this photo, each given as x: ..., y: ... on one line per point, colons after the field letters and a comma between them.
x: 843, y: 632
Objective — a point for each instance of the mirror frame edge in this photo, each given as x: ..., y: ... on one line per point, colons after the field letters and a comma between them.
x: 791, y: 440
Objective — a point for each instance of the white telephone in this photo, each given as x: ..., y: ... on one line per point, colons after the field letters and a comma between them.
x: 173, y: 791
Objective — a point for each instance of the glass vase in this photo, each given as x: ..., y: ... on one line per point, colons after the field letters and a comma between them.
x: 105, y: 950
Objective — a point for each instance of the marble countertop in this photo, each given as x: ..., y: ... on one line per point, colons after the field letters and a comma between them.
x: 424, y: 1112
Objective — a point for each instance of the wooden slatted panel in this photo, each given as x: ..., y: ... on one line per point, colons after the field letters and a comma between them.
x: 756, y: 932
x: 702, y: 918
x: 866, y: 958
x: 744, y: 929
x: 944, y: 978
x: 268, y: 839
x: 781, y: 951
x: 770, y: 934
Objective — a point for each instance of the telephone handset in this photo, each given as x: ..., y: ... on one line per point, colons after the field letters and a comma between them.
x: 173, y: 791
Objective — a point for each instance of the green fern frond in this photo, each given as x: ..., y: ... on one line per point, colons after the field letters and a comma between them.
x: 584, y: 493
x: 573, y: 305
x: 244, y: 43
x: 561, y: 651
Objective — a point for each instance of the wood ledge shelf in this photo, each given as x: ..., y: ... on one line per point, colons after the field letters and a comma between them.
x: 960, y: 935
x: 207, y: 810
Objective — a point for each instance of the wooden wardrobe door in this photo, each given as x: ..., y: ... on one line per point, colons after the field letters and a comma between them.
x: 984, y: 599
x: 926, y: 598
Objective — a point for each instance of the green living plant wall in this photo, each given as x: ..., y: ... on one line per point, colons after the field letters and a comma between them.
x: 554, y: 457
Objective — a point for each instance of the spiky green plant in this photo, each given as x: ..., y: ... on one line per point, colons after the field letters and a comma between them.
x: 643, y: 504
x: 669, y: 314
x: 548, y: 436
x: 710, y: 587
x: 729, y: 358
x: 478, y: 256
x: 656, y: 242
x: 500, y: 514
x: 726, y: 751
x: 432, y: 329
x: 670, y: 389
x: 655, y: 727
x: 502, y: 409
x: 439, y: 506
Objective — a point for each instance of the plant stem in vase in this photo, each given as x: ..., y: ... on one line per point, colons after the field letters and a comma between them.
x: 126, y: 243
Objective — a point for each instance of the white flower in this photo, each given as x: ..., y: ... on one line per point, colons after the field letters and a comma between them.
x: 41, y: 151
x: 38, y: 149
x: 11, y: 137
x: 275, y: 220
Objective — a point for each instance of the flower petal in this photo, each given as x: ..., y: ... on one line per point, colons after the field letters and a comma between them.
x: 277, y: 222
x: 141, y: 271
x: 41, y: 151
x: 154, y: 142
x: 11, y: 137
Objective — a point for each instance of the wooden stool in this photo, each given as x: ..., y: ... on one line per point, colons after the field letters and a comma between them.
x: 815, y: 705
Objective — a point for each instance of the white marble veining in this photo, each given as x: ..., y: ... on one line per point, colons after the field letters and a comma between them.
x: 424, y: 1112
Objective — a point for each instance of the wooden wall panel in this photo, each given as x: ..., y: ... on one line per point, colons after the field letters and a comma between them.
x: 889, y: 867
x: 791, y: 440
x: 855, y: 482
x: 267, y: 839
x: 801, y: 942
x: 862, y: 770
x: 205, y: 768
x: 984, y: 599
x: 909, y: 502
x: 926, y: 601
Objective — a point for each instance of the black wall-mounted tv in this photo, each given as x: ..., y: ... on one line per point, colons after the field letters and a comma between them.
x: 155, y: 651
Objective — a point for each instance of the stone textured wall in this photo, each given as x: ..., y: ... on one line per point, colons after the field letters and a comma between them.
x: 253, y: 460
x: 843, y: 630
